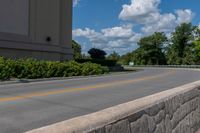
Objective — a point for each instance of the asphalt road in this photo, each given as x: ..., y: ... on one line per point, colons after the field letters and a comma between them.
x: 32, y: 105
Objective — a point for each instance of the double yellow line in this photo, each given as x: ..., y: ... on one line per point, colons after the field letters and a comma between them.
x: 102, y: 85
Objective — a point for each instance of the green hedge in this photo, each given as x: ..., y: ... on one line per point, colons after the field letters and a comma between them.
x: 33, y: 69
x: 102, y: 62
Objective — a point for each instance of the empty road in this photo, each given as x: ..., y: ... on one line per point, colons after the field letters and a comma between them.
x: 32, y: 105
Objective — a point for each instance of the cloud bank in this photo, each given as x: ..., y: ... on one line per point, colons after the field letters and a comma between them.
x: 110, y: 39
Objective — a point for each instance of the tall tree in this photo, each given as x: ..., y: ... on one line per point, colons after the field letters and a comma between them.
x: 150, y: 51
x: 180, y: 47
x: 97, y: 53
x: 76, y: 49
x: 196, y: 44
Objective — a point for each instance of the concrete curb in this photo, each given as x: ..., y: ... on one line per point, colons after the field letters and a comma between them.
x: 17, y: 81
x: 91, y: 122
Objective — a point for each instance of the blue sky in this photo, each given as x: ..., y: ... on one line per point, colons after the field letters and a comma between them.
x: 117, y: 25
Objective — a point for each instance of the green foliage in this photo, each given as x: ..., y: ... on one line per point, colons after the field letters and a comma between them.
x: 32, y: 69
x: 125, y: 59
x: 73, y: 69
x: 150, y: 51
x: 197, y: 47
x: 88, y: 69
x: 114, y: 56
x: 183, y: 48
x: 189, y: 56
x: 5, y: 70
x: 77, y: 50
x: 101, y: 62
x: 180, y: 46
x: 64, y: 69
x: 97, y: 53
x: 196, y: 44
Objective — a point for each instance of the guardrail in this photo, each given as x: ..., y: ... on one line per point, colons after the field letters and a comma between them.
x: 166, y: 66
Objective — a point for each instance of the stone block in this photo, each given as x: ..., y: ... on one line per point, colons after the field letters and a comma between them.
x: 151, y: 125
x: 168, y: 125
x: 140, y: 126
x: 160, y: 128
x: 155, y: 109
x: 160, y: 116
x: 136, y: 116
x: 168, y: 108
x: 189, y: 95
x: 119, y: 127
x: 100, y: 130
x: 176, y: 103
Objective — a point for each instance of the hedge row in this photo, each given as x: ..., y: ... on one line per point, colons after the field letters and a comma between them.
x: 102, y: 62
x: 33, y: 69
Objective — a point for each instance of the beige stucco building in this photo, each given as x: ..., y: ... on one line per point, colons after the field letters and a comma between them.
x: 39, y: 29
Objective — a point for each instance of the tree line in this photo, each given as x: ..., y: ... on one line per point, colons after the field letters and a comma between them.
x: 181, y: 48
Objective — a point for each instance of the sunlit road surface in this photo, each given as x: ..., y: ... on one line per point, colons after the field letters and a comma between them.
x: 32, y: 105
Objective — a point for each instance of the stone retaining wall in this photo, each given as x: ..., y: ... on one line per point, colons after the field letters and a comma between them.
x: 173, y: 111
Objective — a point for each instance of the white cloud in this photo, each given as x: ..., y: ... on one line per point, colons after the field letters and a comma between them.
x: 115, y: 38
x: 165, y: 23
x: 139, y: 10
x: 120, y: 31
x: 83, y: 32
x: 135, y: 38
x: 75, y: 2
x: 184, y: 16
x: 120, y: 43
x: 147, y: 13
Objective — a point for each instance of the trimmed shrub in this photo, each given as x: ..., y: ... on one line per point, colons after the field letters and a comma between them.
x: 5, y: 70
x: 74, y: 69
x: 33, y: 69
x: 91, y: 69
x: 101, y: 62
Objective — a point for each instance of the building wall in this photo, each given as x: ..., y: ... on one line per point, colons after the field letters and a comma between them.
x: 44, y: 27
x: 14, y: 20
x: 45, y: 20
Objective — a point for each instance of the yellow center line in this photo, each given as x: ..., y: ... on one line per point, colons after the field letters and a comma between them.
x: 102, y: 85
